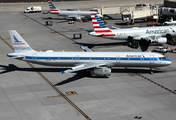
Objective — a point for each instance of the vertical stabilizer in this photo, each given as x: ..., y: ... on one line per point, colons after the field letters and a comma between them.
x: 98, y: 24
x: 53, y: 8
x: 19, y: 44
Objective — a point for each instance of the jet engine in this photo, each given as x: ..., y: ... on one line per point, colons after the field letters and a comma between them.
x: 78, y: 18
x: 162, y: 40
x: 103, y: 71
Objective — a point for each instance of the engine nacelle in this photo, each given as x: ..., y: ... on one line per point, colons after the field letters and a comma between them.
x: 78, y: 18
x: 162, y: 40
x: 103, y: 71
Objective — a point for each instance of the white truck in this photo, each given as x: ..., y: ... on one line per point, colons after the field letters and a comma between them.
x: 32, y: 9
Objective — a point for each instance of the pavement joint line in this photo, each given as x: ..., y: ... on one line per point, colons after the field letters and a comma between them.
x: 152, y: 81
x: 49, y: 28
x: 157, y: 84
x: 66, y: 98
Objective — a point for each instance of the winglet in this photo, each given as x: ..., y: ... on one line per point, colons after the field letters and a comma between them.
x: 81, y: 46
x: 62, y: 72
x: 86, y: 49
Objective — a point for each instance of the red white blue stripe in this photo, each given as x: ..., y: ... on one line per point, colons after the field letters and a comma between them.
x: 53, y: 8
x: 100, y: 27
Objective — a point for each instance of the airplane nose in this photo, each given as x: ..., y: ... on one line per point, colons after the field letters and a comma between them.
x: 168, y: 62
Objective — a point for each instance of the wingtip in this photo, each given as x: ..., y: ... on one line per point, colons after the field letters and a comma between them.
x: 80, y: 46
x: 62, y: 72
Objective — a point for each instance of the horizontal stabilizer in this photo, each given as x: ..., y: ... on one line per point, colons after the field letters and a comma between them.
x: 14, y: 57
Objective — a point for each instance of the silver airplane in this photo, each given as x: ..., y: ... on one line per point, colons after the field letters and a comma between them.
x: 157, y: 34
x: 97, y: 63
x: 76, y: 15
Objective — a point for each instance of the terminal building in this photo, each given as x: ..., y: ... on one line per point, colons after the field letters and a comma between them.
x: 169, y: 8
x: 170, y: 3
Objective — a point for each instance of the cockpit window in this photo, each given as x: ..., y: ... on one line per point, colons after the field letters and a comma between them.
x: 161, y: 58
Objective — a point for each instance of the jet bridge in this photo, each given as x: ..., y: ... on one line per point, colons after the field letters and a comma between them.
x: 141, y: 11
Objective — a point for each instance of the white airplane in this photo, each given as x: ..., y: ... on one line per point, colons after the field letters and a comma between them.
x: 157, y: 34
x: 171, y: 22
x: 98, y: 63
x: 77, y: 15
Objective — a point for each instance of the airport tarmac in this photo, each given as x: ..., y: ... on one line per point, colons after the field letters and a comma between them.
x: 35, y: 92
x: 82, y: 5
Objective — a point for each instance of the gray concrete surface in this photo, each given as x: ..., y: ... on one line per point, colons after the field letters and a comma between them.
x: 82, y: 5
x: 24, y: 93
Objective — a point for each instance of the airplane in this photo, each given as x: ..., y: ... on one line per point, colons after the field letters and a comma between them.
x: 76, y: 15
x: 171, y: 22
x: 96, y: 63
x: 148, y: 35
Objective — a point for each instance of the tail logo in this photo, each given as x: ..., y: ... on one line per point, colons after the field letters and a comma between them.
x: 17, y: 42
x: 53, y: 8
x: 172, y: 29
x: 51, y: 4
x: 100, y: 27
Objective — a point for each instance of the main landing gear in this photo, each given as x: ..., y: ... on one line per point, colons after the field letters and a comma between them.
x: 151, y: 72
x: 133, y: 44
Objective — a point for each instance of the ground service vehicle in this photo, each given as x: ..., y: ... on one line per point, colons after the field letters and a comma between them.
x: 32, y: 9
x: 161, y: 49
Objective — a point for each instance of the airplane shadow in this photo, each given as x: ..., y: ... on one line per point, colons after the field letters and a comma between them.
x: 12, y: 68
x: 145, y: 47
x: 51, y: 18
x: 90, y: 45
x: 79, y: 75
x: 135, y: 70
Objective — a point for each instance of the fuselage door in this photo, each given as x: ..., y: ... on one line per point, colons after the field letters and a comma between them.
x: 34, y: 57
x: 117, y: 59
x: 151, y: 58
x: 77, y: 58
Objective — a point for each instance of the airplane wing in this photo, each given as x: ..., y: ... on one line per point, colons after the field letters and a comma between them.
x: 86, y: 49
x: 82, y: 67
x: 75, y: 16
x: 147, y: 38
x: 150, y: 38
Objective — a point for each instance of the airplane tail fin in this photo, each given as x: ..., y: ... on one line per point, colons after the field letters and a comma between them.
x: 98, y: 24
x: 53, y: 8
x: 19, y: 44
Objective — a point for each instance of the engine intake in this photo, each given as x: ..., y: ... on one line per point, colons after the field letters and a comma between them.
x: 78, y: 18
x: 161, y: 40
x: 103, y: 71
